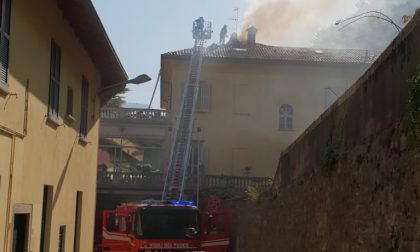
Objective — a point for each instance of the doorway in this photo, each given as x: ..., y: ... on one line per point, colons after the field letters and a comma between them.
x: 20, y: 232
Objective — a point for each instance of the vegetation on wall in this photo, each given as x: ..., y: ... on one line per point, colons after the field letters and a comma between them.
x: 330, y: 155
x: 412, y: 116
x: 228, y: 193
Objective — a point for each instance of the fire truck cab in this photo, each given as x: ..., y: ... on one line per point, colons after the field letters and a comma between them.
x: 164, y: 226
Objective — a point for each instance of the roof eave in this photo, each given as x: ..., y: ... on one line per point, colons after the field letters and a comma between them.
x: 87, y: 25
x: 261, y: 60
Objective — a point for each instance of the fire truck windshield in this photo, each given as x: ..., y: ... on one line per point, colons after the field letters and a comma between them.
x: 167, y: 222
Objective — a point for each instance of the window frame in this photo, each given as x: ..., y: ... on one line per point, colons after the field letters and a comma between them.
x: 202, y: 104
x: 62, y: 238
x: 84, y: 107
x: 54, y: 85
x: 203, y: 98
x: 286, y: 116
x: 70, y: 101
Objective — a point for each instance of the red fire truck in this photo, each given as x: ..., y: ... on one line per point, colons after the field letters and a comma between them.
x: 164, y: 226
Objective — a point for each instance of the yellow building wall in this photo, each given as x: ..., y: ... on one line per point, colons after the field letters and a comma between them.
x: 46, y: 154
x: 242, y: 127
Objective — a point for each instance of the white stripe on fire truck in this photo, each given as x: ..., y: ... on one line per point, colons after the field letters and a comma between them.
x: 115, y: 236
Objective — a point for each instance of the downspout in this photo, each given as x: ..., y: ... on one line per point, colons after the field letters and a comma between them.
x: 25, y: 114
x: 13, y: 134
x: 9, y: 194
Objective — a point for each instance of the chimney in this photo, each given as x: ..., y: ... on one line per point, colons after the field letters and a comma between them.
x: 251, y: 35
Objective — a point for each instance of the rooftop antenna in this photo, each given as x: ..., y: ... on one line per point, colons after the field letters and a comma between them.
x: 236, y: 19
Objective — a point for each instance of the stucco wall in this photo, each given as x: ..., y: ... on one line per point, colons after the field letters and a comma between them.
x: 47, y: 154
x: 368, y: 200
x: 242, y: 127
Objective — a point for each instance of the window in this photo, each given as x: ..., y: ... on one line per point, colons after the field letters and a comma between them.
x: 46, y: 217
x: 62, y: 239
x: 54, y: 93
x: 77, y: 221
x: 5, y: 7
x: 21, y: 232
x: 84, y: 107
x: 69, y: 101
x: 203, y: 98
x: 286, y: 117
x: 198, y: 159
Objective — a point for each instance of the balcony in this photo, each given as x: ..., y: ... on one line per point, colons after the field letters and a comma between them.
x: 155, y: 181
x: 132, y: 114
x: 134, y: 124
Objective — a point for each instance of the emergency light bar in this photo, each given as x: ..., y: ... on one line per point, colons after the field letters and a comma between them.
x: 182, y: 203
x: 169, y: 202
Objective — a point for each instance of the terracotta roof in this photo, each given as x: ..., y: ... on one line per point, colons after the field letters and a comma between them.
x: 274, y: 53
x: 82, y: 16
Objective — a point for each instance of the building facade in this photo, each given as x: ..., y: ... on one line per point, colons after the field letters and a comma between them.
x: 254, y: 99
x: 56, y: 61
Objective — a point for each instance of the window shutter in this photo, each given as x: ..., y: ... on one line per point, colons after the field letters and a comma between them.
x: 199, y: 104
x: 84, y: 107
x: 5, y: 26
x: 205, y: 97
x: 4, y: 58
x: 54, y: 88
x: 5, y: 8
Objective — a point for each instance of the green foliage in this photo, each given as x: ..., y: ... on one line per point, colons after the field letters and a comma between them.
x: 405, y: 19
x: 412, y: 116
x: 330, y: 156
x: 117, y: 100
x: 224, y: 193
x: 228, y: 193
x: 252, y: 193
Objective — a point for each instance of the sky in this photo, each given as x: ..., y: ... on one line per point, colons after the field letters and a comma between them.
x: 141, y: 30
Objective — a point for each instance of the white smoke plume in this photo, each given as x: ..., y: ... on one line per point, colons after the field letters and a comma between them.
x: 369, y: 33
x: 311, y: 22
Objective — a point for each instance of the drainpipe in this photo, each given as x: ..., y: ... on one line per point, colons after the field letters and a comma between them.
x: 9, y: 194
x: 13, y: 134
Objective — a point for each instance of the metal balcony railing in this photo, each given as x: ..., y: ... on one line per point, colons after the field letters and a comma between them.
x: 134, y: 114
x: 155, y: 180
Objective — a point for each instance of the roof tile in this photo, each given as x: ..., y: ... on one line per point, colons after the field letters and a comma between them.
x: 266, y: 52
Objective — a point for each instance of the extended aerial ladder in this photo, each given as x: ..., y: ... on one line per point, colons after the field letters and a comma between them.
x: 134, y: 226
x: 181, y: 138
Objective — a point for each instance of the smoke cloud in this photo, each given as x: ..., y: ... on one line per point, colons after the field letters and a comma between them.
x: 311, y: 22
x: 369, y: 33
